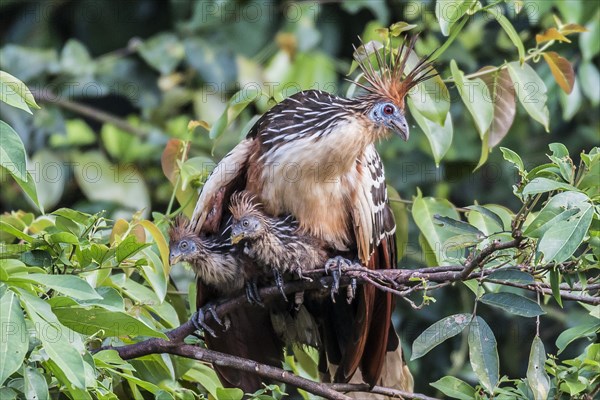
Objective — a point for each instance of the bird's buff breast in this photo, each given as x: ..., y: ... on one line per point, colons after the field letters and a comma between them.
x: 312, y: 181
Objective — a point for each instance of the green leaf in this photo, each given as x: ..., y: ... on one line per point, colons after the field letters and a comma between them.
x: 509, y: 29
x: 439, y: 136
x: 512, y: 275
x: 513, y: 158
x: 439, y: 332
x: 476, y: 96
x: 60, y: 343
x: 483, y: 353
x: 423, y: 211
x: 537, y: 378
x: 559, y: 208
x: 34, y: 384
x: 69, y: 285
x: 12, y: 152
x: 588, y: 42
x: 458, y: 226
x: 15, y: 93
x: 513, y: 303
x: 560, y: 241
x: 448, y: 12
x: 577, y: 332
x: 235, y: 106
x: 75, y: 59
x: 488, y: 215
x: 229, y: 394
x: 543, y: 185
x: 90, y: 321
x: 455, y: 388
x: 555, y: 278
x: 15, y: 339
x: 531, y: 92
x: 29, y: 188
x: 163, y: 52
x: 129, y: 247
x: 15, y: 232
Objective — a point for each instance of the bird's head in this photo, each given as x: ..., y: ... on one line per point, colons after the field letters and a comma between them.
x: 249, y: 227
x: 387, y: 115
x: 248, y: 221
x: 183, y: 242
x: 388, y: 84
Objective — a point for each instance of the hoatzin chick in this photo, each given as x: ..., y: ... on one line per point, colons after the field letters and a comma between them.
x: 221, y: 272
x: 313, y: 156
x: 273, y: 242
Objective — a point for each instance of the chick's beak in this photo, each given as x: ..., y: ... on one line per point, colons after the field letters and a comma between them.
x: 174, y: 257
x: 400, y: 127
x: 236, y: 237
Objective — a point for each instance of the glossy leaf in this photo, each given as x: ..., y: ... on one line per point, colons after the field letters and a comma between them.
x: 577, y: 332
x: 129, y: 247
x: 511, y: 275
x: 448, y: 12
x: 590, y: 78
x: 513, y: 158
x: 439, y: 332
x: 560, y: 241
x: 531, y: 92
x: 69, y: 285
x: 238, y: 102
x: 454, y: 388
x: 502, y: 94
x: 91, y: 321
x: 423, y: 211
x: 476, y: 97
x: 12, y: 152
x: 483, y: 353
x: 15, y: 93
x: 488, y: 215
x: 15, y: 340
x: 510, y: 30
x: 34, y: 384
x: 543, y: 185
x: 513, y: 303
x: 559, y: 208
x: 537, y: 378
x: 439, y: 137
x: 561, y: 69
x: 458, y: 226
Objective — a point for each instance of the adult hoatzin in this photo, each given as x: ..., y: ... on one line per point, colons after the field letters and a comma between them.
x: 221, y: 272
x: 313, y: 156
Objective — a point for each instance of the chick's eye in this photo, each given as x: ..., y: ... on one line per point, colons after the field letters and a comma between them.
x: 388, y: 110
x: 245, y: 223
x: 183, y: 245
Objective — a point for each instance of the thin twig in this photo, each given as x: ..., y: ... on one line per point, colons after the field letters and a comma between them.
x: 363, y: 387
x: 46, y: 96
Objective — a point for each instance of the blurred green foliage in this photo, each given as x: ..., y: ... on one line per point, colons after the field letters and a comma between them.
x: 119, y: 82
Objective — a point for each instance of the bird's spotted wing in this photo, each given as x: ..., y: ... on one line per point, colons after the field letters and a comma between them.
x: 374, y: 229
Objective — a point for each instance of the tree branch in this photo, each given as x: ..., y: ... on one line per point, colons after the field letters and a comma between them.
x: 363, y: 387
x: 46, y: 96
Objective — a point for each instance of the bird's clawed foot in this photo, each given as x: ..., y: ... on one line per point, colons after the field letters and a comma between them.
x: 252, y: 293
x: 334, y: 267
x: 279, y: 282
x: 199, y: 319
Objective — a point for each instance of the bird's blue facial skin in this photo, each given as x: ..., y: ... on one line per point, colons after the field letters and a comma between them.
x: 186, y: 246
x: 388, y: 115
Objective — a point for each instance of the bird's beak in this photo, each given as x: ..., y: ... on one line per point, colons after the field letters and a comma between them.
x: 174, y: 257
x: 236, y: 238
x: 400, y: 127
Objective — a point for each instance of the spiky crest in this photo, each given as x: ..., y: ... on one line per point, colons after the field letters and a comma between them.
x: 243, y: 203
x: 387, y: 80
x: 180, y: 228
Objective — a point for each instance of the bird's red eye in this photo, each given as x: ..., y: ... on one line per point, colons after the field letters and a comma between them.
x: 388, y: 110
